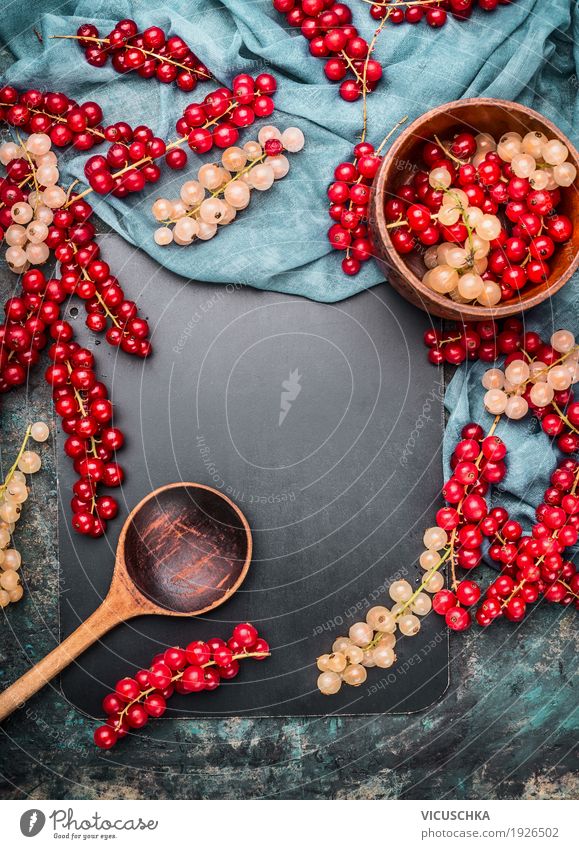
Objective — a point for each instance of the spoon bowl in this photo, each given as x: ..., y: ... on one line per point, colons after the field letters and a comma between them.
x: 183, y: 550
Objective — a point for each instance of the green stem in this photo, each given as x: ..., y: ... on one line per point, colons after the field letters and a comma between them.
x: 8, y: 478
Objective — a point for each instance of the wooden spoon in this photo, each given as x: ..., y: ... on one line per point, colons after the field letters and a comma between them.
x: 183, y: 550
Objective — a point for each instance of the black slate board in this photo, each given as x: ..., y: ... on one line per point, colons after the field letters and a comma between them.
x: 337, y: 491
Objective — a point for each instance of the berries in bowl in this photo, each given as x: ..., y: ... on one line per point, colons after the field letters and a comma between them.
x: 473, y: 208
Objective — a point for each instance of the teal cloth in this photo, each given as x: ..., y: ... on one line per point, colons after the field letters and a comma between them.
x: 521, y: 51
x: 527, y: 51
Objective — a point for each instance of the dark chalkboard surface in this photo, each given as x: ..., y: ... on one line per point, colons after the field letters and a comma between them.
x: 323, y: 422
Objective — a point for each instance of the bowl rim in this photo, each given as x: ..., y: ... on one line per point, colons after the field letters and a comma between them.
x: 427, y: 295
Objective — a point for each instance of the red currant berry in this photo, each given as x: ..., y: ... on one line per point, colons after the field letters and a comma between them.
x: 457, y: 619
x: 245, y: 634
x: 468, y: 593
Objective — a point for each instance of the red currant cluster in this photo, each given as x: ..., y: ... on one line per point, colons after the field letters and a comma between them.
x: 38, y: 218
x: 349, y: 196
x: 129, y: 163
x: 434, y: 12
x: 532, y: 567
x: 84, y: 273
x: 224, y: 112
x: 450, y: 206
x: 200, y: 666
x: 151, y: 53
x: 481, y: 340
x: 328, y: 27
x: 86, y: 413
x: 476, y: 463
x: 32, y: 320
x: 70, y: 236
x: 30, y: 316
x: 11, y: 193
x: 55, y: 114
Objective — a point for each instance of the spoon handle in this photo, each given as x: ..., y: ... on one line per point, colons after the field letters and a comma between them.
x: 102, y: 620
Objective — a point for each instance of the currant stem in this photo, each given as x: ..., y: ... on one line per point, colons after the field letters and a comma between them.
x: 454, y: 583
x: 112, y: 317
x: 349, y: 63
x: 447, y: 151
x: 365, y: 75
x: 441, y: 562
x: 563, y: 417
x: 60, y: 119
x: 145, y: 159
x: 567, y: 587
x: 177, y: 677
x: 389, y: 135
x: 151, y: 53
x: 14, y: 466
x: 32, y: 169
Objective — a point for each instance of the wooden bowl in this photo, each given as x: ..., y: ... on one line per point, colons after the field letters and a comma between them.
x: 476, y: 115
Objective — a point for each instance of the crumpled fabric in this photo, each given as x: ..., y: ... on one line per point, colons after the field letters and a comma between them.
x: 522, y: 51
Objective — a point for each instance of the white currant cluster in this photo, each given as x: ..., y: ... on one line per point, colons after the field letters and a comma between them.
x: 372, y: 643
x: 13, y: 494
x: 541, y: 160
x: 221, y: 190
x: 456, y: 270
x: 26, y: 236
x: 505, y: 388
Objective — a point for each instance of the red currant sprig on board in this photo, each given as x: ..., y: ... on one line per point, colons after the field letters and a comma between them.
x: 481, y: 340
x: 200, y: 666
x: 478, y: 461
x: 55, y: 114
x: 151, y: 53
x: 37, y: 218
x: 86, y: 413
x: 434, y: 12
x: 30, y: 315
x: 84, y: 273
x: 328, y: 27
x: 33, y: 321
